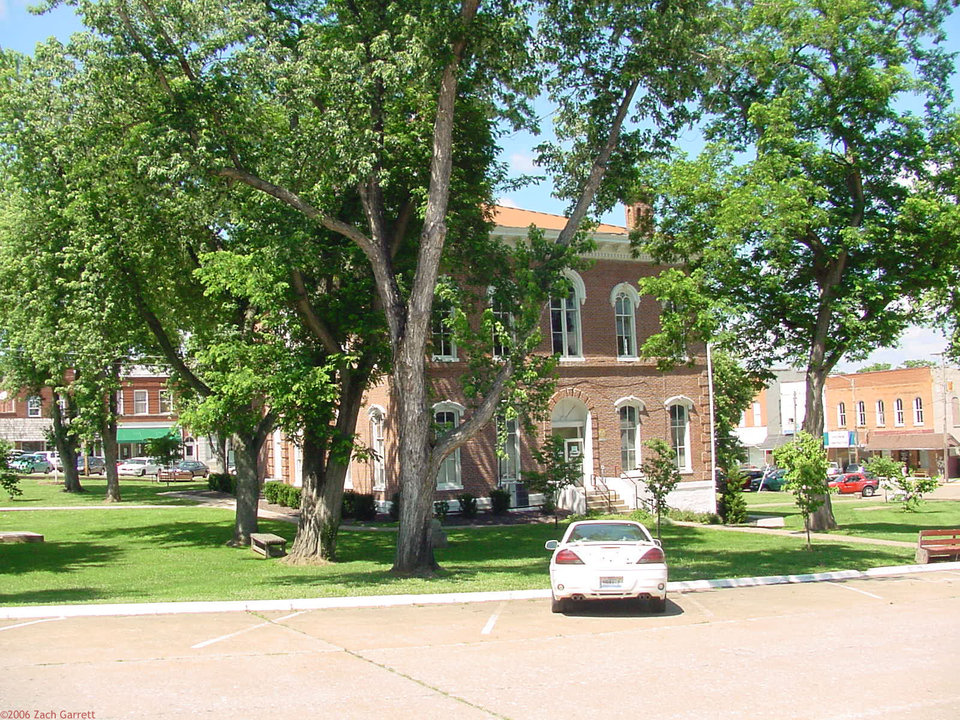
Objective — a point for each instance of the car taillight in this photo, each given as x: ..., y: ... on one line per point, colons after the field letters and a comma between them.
x: 567, y: 557
x: 653, y: 555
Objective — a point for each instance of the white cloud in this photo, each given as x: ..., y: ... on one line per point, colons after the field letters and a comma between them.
x: 3, y: 10
x: 522, y: 163
x: 917, y: 343
x: 507, y: 202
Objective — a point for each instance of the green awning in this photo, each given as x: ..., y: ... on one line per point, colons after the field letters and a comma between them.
x: 141, y: 435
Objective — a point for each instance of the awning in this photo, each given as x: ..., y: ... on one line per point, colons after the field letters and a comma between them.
x: 142, y: 434
x: 909, y: 441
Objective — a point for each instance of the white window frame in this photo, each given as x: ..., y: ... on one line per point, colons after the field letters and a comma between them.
x: 841, y: 414
x: 629, y: 446
x: 566, y: 310
x: 166, y: 402
x: 141, y: 397
x: 680, y: 442
x: 34, y: 406
x: 898, y: 412
x: 918, y: 411
x: 861, y: 410
x: 625, y: 301
x: 449, y: 475
x: 378, y: 447
x: 503, y: 318
x: 444, y: 346
x: 508, y: 460
x: 757, y: 415
x: 881, y: 414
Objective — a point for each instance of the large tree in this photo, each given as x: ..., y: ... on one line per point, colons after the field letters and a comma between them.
x: 813, y: 210
x: 376, y: 122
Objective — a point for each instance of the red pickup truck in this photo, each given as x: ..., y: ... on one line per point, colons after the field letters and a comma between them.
x: 855, y: 482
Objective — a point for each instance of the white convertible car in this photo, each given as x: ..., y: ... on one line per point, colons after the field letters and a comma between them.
x: 607, y: 559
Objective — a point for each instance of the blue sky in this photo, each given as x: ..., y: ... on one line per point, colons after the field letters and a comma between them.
x: 20, y: 30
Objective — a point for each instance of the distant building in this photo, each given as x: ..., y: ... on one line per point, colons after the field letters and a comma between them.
x: 911, y: 415
x: 774, y: 417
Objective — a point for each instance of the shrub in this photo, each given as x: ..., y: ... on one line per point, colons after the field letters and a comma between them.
x: 468, y: 505
x: 499, y: 501
x: 290, y: 497
x: 271, y: 492
x: 222, y: 482
x: 441, y: 508
x: 395, y: 506
x: 366, y: 507
x: 731, y: 504
x: 348, y: 506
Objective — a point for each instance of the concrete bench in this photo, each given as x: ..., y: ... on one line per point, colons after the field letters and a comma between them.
x: 268, y: 544
x: 20, y: 536
x: 938, y: 543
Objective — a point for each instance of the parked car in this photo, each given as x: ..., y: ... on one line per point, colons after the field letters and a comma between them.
x: 138, y: 466
x: 53, y: 457
x: 93, y: 465
x: 34, y: 462
x: 855, y: 482
x: 607, y: 559
x: 750, y: 477
x: 833, y: 468
x: 194, y: 467
x: 774, y: 480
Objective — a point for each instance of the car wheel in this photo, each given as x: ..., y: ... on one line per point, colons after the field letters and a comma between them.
x: 868, y: 491
x: 658, y: 605
x: 557, y: 606
x: 142, y: 473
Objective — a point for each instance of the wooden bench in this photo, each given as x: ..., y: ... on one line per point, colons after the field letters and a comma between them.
x: 938, y: 543
x: 268, y: 544
x: 169, y: 476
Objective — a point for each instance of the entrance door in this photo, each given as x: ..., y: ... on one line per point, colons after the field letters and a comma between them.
x: 573, y: 450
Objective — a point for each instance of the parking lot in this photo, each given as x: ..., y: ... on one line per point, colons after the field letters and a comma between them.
x: 868, y: 648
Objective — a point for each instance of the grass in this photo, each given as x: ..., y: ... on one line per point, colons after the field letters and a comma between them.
x: 178, y: 553
x: 45, y: 491
x: 863, y: 517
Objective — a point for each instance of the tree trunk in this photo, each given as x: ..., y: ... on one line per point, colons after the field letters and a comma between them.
x: 417, y: 484
x: 247, y: 455
x: 325, y: 465
x: 66, y: 447
x: 109, y: 434
x: 822, y: 519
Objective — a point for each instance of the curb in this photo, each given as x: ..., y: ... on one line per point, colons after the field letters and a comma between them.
x: 377, y: 601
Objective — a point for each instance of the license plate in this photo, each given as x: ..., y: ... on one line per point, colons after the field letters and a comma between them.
x: 611, y: 582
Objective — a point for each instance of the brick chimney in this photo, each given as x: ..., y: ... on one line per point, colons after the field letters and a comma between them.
x: 639, y: 214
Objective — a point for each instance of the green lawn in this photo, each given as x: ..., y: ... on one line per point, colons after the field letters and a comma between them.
x: 45, y: 491
x: 178, y: 553
x: 864, y: 517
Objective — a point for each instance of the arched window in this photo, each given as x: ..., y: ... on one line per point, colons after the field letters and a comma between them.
x: 625, y: 299
x: 446, y: 416
x: 565, y: 318
x: 898, y: 412
x: 629, y: 438
x: 679, y: 409
x: 861, y: 413
x: 842, y: 414
x: 378, y: 449
x: 881, y: 414
x: 918, y: 411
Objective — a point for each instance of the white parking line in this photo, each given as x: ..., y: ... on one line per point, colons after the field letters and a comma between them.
x: 856, y: 590
x: 488, y: 628
x: 32, y: 622
x: 205, y: 643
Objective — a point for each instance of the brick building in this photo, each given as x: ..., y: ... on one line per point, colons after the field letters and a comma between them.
x: 607, y: 402
x: 911, y: 415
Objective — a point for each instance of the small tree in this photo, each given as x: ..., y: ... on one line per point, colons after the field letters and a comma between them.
x: 910, y: 487
x: 660, y: 474
x: 8, y: 478
x: 805, y: 462
x: 731, y: 505
x: 558, y: 472
x: 168, y: 450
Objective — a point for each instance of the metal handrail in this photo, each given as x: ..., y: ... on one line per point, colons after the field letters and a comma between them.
x: 604, y: 491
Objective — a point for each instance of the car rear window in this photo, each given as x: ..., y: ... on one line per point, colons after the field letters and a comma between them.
x: 613, y: 532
